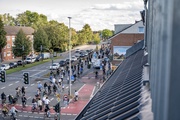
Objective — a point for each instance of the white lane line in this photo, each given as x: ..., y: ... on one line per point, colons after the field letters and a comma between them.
x: 3, y: 88
x: 31, y: 116
x: 20, y: 115
x: 37, y: 73
x: 92, y: 92
x: 51, y: 99
x: 16, y: 81
x: 25, y: 116
x: 38, y: 81
x: 25, y: 87
x: 10, y: 84
x: 28, y: 98
x: 32, y: 84
x: 81, y: 87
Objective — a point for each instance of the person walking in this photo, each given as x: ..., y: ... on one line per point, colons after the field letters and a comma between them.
x: 40, y: 104
x: 23, y: 90
x: 23, y: 99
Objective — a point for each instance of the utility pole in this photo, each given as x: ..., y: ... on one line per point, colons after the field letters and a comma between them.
x: 41, y: 51
x: 70, y: 55
x: 23, y: 55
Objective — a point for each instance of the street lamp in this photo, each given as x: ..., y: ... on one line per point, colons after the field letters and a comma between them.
x: 70, y: 55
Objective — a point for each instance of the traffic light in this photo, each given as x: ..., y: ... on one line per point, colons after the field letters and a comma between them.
x: 57, y: 108
x: 26, y: 78
x: 3, y: 76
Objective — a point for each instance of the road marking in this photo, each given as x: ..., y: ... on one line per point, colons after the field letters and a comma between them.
x: 16, y: 81
x: 28, y: 98
x: 32, y: 84
x: 92, y: 92
x: 37, y: 73
x: 38, y: 81
x: 81, y: 87
x: 25, y: 87
x: 25, y: 116
x: 10, y: 84
x: 20, y: 115
x: 3, y: 88
x: 51, y: 99
x: 31, y: 116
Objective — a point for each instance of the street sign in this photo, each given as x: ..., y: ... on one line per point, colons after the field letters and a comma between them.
x: 72, y: 78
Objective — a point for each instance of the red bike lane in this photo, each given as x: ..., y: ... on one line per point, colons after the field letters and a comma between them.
x: 84, y: 97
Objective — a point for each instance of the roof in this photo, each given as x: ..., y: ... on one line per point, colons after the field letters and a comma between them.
x: 120, y: 27
x: 120, y: 96
x: 13, y: 30
x: 131, y: 29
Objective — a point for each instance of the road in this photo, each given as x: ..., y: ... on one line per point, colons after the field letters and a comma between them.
x: 15, y: 79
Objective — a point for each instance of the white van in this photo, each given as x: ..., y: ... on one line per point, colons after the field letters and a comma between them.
x: 30, y: 60
x: 97, y: 63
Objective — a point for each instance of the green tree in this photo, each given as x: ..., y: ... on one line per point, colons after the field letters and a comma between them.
x: 87, y: 32
x: 40, y: 38
x: 2, y: 37
x: 106, y: 33
x: 8, y: 19
x: 96, y: 38
x: 21, y: 40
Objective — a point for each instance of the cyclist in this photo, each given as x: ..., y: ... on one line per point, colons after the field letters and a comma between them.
x: 76, y: 95
x: 23, y: 90
x: 13, y: 111
x: 40, y: 86
x: 23, y: 101
x: 3, y: 97
x: 5, y: 110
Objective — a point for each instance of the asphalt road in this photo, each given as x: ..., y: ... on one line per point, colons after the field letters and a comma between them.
x: 15, y: 79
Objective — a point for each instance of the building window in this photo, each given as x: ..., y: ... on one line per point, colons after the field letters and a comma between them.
x: 8, y: 46
x: 141, y: 29
x: 8, y: 53
x: 8, y: 38
x: 4, y: 54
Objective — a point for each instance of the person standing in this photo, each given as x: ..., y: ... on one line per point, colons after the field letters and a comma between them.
x: 23, y: 90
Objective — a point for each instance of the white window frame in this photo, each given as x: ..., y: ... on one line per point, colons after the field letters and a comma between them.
x: 141, y: 29
x: 9, y: 53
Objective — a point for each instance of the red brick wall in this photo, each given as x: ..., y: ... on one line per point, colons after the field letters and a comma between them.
x: 8, y: 48
x: 125, y: 40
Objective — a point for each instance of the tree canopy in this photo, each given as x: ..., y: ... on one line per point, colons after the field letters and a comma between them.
x: 20, y: 41
x: 40, y: 38
x: 106, y: 33
x: 2, y: 37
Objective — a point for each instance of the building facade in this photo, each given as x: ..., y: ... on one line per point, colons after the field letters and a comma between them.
x: 11, y: 31
x: 128, y: 35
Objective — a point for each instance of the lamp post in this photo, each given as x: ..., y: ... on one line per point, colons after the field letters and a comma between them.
x: 70, y: 55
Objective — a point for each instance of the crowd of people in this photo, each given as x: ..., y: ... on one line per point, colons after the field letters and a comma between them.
x: 56, y: 85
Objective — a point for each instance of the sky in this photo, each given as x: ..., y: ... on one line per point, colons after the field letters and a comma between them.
x: 99, y: 14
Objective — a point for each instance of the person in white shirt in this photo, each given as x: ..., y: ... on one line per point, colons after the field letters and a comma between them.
x: 53, y: 80
x: 13, y: 110
x: 47, y: 101
x: 40, y: 104
x: 76, y: 95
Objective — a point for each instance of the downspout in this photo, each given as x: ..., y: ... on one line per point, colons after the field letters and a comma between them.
x: 145, y: 24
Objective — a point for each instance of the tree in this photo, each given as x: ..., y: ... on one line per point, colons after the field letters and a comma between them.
x: 8, y: 19
x: 2, y: 37
x: 20, y: 41
x: 106, y: 33
x: 87, y: 32
x: 96, y: 38
x: 40, y: 38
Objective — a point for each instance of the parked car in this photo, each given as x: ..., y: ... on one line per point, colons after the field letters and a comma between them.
x: 20, y: 62
x: 54, y: 66
x: 13, y: 64
x: 74, y: 58
x: 5, y: 67
x: 77, y: 54
x: 38, y: 58
x: 29, y: 60
x: 62, y: 63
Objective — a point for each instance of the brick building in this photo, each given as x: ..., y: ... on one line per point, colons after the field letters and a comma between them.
x: 11, y: 32
x: 126, y: 36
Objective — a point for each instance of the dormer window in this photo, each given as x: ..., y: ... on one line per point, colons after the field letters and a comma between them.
x: 141, y: 29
